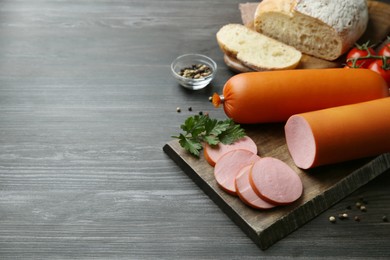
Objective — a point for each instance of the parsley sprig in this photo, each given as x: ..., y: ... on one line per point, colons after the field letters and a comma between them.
x: 201, y: 128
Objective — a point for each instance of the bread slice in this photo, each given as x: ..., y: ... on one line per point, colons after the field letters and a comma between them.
x: 255, y: 50
x: 323, y: 28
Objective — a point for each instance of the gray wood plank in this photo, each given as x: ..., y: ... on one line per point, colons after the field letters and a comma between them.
x: 86, y: 104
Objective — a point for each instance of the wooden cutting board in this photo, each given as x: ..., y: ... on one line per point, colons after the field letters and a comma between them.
x: 378, y: 29
x: 323, y: 186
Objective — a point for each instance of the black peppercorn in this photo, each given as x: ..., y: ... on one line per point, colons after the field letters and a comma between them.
x: 196, y: 71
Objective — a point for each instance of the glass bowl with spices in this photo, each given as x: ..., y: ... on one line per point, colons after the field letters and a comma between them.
x: 193, y: 71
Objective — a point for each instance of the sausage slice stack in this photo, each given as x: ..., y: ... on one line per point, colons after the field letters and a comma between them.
x: 260, y: 182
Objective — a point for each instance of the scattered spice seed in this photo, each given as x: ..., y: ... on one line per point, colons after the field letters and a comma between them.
x: 210, y: 99
x: 190, y: 109
x: 363, y: 208
x: 343, y: 216
x: 358, y: 205
x: 332, y: 219
x: 349, y: 207
x: 178, y: 110
x: 357, y: 218
x: 385, y: 219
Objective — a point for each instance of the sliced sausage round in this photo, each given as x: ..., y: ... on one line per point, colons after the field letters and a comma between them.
x: 275, y: 181
x: 246, y: 193
x: 229, y: 165
x: 213, y: 153
x: 301, y: 142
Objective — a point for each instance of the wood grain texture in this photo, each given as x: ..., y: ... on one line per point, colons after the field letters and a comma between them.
x: 86, y: 104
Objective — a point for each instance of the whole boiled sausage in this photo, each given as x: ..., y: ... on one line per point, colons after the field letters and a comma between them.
x: 274, y: 96
x: 339, y: 134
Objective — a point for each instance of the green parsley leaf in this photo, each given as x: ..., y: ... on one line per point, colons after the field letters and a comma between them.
x: 201, y: 128
x: 216, y: 127
x: 233, y: 133
x: 211, y: 139
x: 190, y: 145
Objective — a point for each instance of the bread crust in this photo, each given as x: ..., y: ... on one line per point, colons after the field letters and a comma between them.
x: 344, y: 21
x: 278, y: 6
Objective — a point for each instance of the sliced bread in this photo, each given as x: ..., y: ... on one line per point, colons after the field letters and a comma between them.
x: 255, y: 50
x: 324, y: 28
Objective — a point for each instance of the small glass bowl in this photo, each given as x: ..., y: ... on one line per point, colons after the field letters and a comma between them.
x: 187, y: 60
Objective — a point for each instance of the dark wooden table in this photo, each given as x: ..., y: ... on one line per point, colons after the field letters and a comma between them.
x: 86, y: 104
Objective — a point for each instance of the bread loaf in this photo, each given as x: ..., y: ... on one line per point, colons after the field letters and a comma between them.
x: 255, y: 50
x: 323, y: 28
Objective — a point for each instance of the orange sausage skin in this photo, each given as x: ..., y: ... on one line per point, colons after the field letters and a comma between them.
x: 339, y: 134
x: 273, y: 96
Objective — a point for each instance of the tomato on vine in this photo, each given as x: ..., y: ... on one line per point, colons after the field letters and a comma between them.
x: 382, y: 69
x: 364, y: 56
x: 360, y: 56
x: 385, y: 50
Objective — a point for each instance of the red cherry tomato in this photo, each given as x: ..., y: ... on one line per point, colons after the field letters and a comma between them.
x: 358, y: 52
x: 384, y: 71
x: 385, y: 50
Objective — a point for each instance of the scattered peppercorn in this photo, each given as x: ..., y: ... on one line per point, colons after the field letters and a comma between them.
x: 196, y: 71
x: 361, y: 205
x: 178, y: 110
x: 211, y: 99
x: 343, y: 216
x: 200, y: 113
x: 190, y: 109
